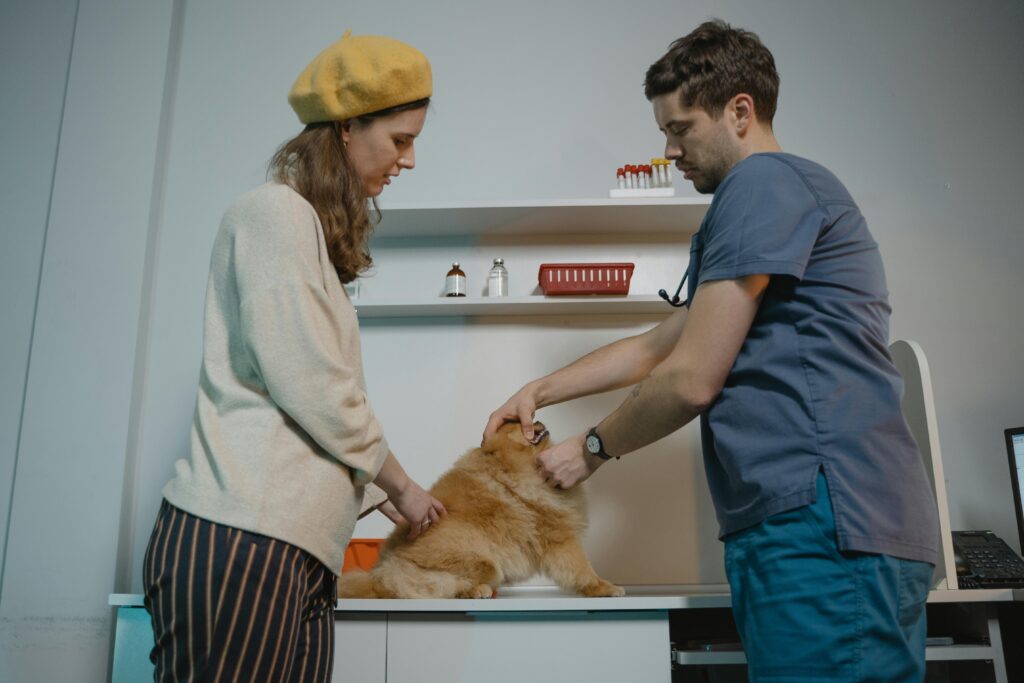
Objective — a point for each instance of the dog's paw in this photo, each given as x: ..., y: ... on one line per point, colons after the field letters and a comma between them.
x: 603, y: 589
x: 479, y: 591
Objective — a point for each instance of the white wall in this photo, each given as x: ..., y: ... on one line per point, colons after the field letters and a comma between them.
x: 65, y: 505
x: 36, y: 33
x: 911, y: 104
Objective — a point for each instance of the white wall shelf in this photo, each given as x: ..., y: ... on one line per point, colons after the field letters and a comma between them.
x: 510, y: 305
x: 540, y: 217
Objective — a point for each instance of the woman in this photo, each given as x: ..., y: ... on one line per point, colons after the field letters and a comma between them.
x: 240, y: 570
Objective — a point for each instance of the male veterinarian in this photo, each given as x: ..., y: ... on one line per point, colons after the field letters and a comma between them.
x: 829, y: 524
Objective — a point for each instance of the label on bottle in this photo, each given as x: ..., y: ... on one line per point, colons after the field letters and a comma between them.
x: 497, y: 284
x: 455, y: 285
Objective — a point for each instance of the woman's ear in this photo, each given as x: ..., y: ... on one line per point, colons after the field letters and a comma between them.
x: 345, y: 128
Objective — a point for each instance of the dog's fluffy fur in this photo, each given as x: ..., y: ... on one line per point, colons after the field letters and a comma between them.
x: 504, y: 525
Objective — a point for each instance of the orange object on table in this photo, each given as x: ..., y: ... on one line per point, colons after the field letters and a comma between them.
x: 584, y: 278
x: 362, y: 553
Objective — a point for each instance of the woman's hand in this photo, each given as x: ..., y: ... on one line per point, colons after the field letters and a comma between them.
x: 408, y: 500
x: 520, y: 408
x: 417, y: 507
x: 388, y: 509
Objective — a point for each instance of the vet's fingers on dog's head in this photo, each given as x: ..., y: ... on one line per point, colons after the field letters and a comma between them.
x: 526, y: 421
x: 498, y: 418
x: 495, y: 421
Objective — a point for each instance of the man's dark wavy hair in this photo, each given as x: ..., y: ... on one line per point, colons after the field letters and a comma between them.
x: 713, y: 64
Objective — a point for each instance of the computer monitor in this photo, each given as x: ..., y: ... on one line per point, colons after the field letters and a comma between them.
x: 1015, y: 451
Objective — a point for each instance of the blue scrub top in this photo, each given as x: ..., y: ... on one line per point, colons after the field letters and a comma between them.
x: 814, y: 386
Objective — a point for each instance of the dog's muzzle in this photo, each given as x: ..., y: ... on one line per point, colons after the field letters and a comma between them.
x: 539, y: 436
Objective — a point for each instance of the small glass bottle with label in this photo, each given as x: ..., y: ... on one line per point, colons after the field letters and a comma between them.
x: 455, y: 281
x: 497, y: 279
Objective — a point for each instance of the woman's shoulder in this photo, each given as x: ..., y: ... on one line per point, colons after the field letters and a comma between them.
x: 274, y: 201
x: 272, y: 220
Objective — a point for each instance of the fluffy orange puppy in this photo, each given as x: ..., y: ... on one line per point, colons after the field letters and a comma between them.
x: 504, y: 525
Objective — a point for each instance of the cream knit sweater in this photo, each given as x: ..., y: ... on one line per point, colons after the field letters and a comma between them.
x: 283, y: 438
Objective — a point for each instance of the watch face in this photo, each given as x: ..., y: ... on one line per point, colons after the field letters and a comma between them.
x: 593, y: 444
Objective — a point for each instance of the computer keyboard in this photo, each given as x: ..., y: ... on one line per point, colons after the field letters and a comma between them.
x: 983, y: 560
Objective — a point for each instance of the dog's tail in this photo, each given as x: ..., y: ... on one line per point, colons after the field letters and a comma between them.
x: 361, y: 584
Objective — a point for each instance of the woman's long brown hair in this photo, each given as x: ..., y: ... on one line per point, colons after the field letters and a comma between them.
x: 316, y: 164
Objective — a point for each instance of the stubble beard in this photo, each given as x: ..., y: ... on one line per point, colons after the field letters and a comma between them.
x: 721, y: 157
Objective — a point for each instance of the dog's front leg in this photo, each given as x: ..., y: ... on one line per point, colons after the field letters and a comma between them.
x: 569, y: 567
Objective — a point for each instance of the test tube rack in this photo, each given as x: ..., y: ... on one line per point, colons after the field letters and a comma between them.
x: 644, y: 180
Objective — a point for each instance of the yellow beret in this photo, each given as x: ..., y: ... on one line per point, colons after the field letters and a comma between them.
x: 358, y: 75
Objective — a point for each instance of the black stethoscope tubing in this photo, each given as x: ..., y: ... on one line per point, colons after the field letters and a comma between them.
x: 674, y: 301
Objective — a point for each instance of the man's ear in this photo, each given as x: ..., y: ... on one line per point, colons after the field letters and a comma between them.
x: 741, y: 109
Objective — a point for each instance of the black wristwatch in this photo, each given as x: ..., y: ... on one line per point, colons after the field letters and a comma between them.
x: 595, y: 446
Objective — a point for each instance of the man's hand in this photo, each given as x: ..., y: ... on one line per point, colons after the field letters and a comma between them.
x: 567, y: 464
x: 520, y: 408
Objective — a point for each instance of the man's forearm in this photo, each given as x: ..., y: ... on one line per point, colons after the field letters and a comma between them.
x: 653, y: 410
x: 692, y: 377
x: 614, y: 366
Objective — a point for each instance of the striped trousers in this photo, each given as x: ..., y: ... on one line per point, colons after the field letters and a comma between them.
x: 232, y: 606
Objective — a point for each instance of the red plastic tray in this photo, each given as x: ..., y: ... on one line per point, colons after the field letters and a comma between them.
x: 585, y: 278
x: 362, y: 553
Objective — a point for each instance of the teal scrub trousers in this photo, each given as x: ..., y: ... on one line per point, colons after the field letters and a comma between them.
x: 808, y: 612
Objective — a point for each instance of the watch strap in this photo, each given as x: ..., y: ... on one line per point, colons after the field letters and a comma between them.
x: 600, y: 452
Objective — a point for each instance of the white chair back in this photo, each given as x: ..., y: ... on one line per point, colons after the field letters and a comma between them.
x: 919, y: 411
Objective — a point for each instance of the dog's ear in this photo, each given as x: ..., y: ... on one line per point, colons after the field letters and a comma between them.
x: 494, y: 442
x: 508, y: 441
